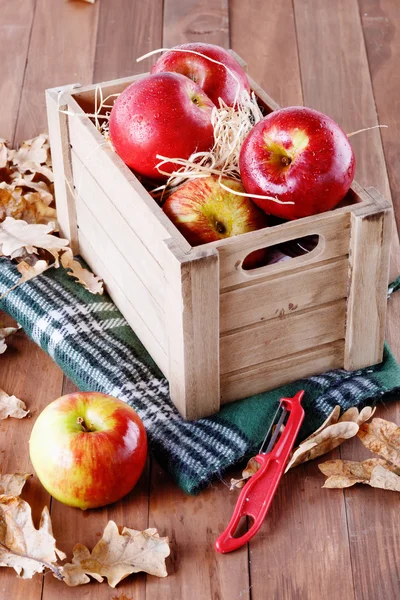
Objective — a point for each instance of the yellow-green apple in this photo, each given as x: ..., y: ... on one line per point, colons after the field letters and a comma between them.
x: 205, y: 212
x: 298, y: 155
x: 88, y: 449
x: 165, y: 114
x: 214, y: 79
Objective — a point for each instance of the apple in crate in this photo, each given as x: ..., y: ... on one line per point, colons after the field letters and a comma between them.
x: 88, y: 449
x: 298, y: 155
x: 214, y: 79
x: 205, y: 212
x: 163, y: 114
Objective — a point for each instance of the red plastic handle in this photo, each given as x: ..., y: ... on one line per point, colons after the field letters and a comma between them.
x: 256, y: 496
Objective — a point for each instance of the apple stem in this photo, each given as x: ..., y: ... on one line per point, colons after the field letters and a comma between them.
x: 286, y: 160
x: 82, y: 423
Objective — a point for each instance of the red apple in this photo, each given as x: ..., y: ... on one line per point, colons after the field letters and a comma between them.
x: 299, y: 155
x: 204, y: 212
x: 88, y: 449
x: 164, y: 114
x: 214, y: 79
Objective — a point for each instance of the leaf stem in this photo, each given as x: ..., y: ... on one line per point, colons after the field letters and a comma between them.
x: 48, y: 565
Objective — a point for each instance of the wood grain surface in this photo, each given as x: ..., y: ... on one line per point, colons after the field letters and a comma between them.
x: 340, y: 57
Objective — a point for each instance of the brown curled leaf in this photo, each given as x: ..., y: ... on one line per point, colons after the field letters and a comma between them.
x: 90, y: 282
x: 383, y: 438
x: 4, y: 333
x: 332, y: 433
x: 117, y: 555
x: 11, y: 484
x: 23, y: 547
x: 11, y: 406
x: 252, y: 467
x: 375, y: 472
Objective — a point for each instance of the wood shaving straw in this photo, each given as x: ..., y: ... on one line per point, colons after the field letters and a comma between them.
x: 99, y: 106
x: 231, y: 125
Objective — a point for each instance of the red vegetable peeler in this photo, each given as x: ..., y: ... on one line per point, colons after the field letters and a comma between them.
x: 256, y: 496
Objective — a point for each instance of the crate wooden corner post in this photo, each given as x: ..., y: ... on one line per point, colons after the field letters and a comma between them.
x: 368, y: 281
x: 192, y: 317
x: 57, y: 105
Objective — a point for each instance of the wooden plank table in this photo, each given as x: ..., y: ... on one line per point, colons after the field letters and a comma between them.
x: 340, y: 57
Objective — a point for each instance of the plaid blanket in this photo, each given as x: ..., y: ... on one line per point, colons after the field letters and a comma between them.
x: 93, y: 344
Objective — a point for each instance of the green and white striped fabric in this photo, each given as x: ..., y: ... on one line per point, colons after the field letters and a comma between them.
x: 90, y: 340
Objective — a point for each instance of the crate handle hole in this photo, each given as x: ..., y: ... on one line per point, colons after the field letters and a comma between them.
x: 284, y: 251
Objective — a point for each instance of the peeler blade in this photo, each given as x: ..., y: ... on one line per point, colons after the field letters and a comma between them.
x: 276, y: 432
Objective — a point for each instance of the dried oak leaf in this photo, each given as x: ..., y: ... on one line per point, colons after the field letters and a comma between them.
x: 384, y: 479
x: 37, y: 211
x: 30, y: 271
x: 345, y: 473
x: 3, y: 153
x: 29, y: 207
x: 17, y: 237
x: 40, y: 187
x: 26, y: 181
x: 9, y: 205
x: 383, y: 438
x: 11, y: 406
x: 33, y: 154
x: 115, y: 556
x: 353, y: 414
x: 330, y: 435
x: 251, y: 468
x: 89, y: 281
x: 12, y: 484
x: 23, y: 547
x: 375, y: 472
x: 5, y: 332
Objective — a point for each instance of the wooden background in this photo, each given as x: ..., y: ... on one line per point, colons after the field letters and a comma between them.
x: 339, y: 56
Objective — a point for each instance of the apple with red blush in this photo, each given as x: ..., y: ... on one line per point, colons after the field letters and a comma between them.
x: 216, y: 81
x: 88, y: 449
x: 297, y: 155
x: 204, y: 212
x: 163, y: 114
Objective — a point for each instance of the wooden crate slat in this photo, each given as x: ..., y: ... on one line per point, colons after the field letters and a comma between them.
x: 282, y: 336
x: 333, y: 229
x: 123, y: 303
x: 266, y: 300
x: 125, y: 277
x: 118, y: 182
x: 124, y: 236
x: 283, y: 370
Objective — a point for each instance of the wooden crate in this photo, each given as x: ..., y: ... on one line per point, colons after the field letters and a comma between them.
x: 220, y: 333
